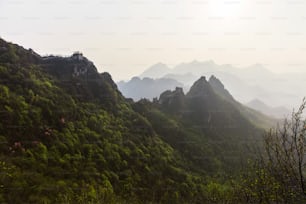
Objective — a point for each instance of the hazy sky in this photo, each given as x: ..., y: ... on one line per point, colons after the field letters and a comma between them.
x: 124, y: 37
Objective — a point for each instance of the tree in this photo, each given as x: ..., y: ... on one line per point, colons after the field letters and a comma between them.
x: 280, y: 167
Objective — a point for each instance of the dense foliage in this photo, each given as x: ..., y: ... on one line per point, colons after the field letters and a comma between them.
x: 67, y: 135
x: 64, y: 143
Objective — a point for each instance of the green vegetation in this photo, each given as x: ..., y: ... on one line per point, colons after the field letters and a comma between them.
x: 67, y: 135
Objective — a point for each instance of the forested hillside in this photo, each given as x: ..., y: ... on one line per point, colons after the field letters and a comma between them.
x: 67, y: 135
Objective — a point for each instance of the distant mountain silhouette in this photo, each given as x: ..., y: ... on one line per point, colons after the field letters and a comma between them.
x: 156, y: 71
x: 148, y: 88
x: 278, y: 112
x: 245, y: 83
x: 259, y: 119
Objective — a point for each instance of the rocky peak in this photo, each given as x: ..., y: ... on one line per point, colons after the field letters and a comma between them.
x: 179, y: 90
x: 82, y: 66
x: 200, y: 88
x: 77, y: 56
x: 219, y: 89
x: 215, y: 82
x: 70, y: 67
x: 108, y: 78
x: 173, y: 101
x: 165, y: 96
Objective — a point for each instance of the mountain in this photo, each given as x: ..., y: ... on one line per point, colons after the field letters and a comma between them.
x: 68, y: 135
x: 148, y: 88
x: 278, y: 112
x: 156, y: 71
x: 196, y: 67
x: 187, y: 78
x: 257, y: 118
x: 245, y: 83
x: 201, y: 124
x: 219, y: 88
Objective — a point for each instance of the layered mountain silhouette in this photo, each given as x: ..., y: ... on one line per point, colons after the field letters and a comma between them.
x: 148, y: 88
x: 277, y: 112
x: 156, y: 71
x: 68, y: 135
x: 245, y: 84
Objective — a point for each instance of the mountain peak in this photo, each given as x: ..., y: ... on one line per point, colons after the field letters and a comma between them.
x: 156, y: 71
x: 202, y: 78
x: 200, y: 83
x: 200, y: 88
x: 178, y: 92
x: 277, y: 112
x: 108, y: 78
x: 135, y: 79
x: 215, y: 82
x: 173, y: 101
x: 65, y: 68
x: 219, y: 89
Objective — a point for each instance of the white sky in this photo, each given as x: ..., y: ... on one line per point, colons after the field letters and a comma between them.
x: 124, y: 37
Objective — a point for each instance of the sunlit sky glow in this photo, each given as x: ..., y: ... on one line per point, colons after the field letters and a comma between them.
x: 125, y: 37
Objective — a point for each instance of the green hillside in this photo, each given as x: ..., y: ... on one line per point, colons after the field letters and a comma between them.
x: 67, y: 135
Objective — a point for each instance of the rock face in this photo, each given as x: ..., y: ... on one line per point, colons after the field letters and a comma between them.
x: 216, y: 83
x: 208, y: 104
x: 201, y: 88
x: 67, y: 68
x: 219, y: 89
x: 173, y: 101
x: 108, y: 78
x: 168, y: 97
x: 78, y: 75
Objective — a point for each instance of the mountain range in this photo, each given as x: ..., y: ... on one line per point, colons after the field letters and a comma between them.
x: 246, y: 84
x: 277, y: 112
x: 148, y: 88
x: 68, y: 135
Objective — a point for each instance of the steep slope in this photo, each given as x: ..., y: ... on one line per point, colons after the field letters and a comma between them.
x: 69, y: 136
x: 257, y: 118
x: 219, y: 88
x: 208, y: 131
x: 207, y: 108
